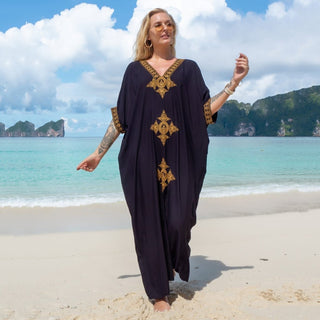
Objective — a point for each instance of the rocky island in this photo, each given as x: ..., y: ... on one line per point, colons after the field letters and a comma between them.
x: 292, y: 114
x: 27, y: 129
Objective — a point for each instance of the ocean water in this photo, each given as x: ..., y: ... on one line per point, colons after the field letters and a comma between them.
x: 42, y: 171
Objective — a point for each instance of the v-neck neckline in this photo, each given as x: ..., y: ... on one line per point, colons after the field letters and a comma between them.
x: 167, y: 73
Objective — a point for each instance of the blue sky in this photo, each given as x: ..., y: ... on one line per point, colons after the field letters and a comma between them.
x: 15, y: 13
x: 65, y: 58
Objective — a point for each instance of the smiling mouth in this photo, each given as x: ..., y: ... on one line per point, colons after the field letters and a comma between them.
x: 165, y: 35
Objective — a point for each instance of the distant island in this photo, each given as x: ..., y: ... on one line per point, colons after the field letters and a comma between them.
x: 27, y: 129
x: 292, y: 114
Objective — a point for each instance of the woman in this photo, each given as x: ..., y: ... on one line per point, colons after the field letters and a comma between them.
x: 163, y: 109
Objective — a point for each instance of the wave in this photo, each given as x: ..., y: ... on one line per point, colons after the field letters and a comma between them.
x: 231, y: 191
x: 62, y: 201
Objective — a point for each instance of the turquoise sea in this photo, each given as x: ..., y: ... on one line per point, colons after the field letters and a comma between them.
x: 42, y: 171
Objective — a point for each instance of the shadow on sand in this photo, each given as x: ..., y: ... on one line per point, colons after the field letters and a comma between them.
x: 126, y: 276
x: 202, y: 272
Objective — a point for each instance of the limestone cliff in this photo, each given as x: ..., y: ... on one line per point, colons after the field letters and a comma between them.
x: 2, y: 129
x: 21, y: 129
x: 316, y: 131
x: 296, y: 113
x: 245, y: 129
x: 51, y: 129
x: 27, y: 129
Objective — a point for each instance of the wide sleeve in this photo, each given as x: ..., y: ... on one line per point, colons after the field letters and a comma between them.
x: 116, y: 121
x: 119, y: 113
x: 204, y: 94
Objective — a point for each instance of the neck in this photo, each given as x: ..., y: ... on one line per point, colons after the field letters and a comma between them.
x: 163, y: 54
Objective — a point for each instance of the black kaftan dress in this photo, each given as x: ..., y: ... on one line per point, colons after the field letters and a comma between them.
x: 162, y: 164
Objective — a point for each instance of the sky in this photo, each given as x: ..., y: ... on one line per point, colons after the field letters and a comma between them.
x: 66, y: 58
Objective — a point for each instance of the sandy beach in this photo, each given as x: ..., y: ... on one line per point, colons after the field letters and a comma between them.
x: 79, y: 263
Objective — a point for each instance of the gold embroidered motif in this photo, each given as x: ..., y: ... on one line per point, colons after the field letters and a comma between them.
x: 116, y: 121
x: 207, y: 112
x: 161, y: 84
x: 165, y: 175
x: 164, y: 128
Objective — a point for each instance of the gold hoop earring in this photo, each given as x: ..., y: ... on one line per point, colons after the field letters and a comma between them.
x: 148, y: 44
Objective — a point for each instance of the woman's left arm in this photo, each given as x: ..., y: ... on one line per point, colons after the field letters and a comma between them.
x: 240, y: 71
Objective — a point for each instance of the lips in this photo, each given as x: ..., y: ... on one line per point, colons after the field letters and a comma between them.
x: 165, y: 36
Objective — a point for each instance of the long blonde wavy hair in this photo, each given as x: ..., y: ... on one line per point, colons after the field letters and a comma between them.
x: 143, y: 52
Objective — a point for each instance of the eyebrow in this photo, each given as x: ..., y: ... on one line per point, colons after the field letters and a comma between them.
x: 159, y: 21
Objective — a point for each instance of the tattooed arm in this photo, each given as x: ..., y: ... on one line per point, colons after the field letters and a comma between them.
x: 91, y: 162
x: 109, y: 138
x: 219, y: 99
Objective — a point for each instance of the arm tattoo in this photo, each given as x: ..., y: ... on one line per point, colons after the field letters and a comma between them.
x: 213, y: 99
x: 110, y: 136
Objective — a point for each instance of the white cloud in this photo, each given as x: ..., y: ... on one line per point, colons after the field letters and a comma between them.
x: 282, y: 46
x: 276, y: 10
x: 30, y: 57
x: 304, y: 2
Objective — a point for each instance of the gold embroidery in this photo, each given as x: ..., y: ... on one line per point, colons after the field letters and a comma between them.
x: 116, y: 121
x: 165, y: 175
x: 164, y: 127
x: 161, y: 84
x: 207, y: 112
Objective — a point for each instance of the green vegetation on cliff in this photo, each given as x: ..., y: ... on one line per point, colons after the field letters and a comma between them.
x: 56, y: 126
x: 27, y: 129
x: 296, y: 113
x: 21, y: 129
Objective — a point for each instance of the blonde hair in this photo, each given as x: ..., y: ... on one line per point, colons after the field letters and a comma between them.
x: 142, y: 51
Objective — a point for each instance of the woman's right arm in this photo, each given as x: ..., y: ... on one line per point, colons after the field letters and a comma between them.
x: 92, y: 161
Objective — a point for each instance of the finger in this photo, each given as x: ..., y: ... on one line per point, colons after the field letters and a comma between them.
x: 242, y: 67
x: 82, y: 166
x: 242, y: 60
x: 242, y: 55
x: 242, y: 64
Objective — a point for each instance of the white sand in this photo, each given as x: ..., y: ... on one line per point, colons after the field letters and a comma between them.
x: 253, y: 267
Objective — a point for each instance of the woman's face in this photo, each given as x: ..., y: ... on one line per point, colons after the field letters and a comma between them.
x: 161, y: 30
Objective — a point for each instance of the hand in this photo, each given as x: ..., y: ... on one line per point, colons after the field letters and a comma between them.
x: 241, y: 69
x: 89, y: 163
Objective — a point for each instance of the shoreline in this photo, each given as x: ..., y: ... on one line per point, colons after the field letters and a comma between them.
x: 222, y: 192
x: 248, y: 267
x: 115, y: 216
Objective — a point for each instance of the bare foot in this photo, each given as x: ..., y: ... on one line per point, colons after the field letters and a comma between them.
x: 161, y: 304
